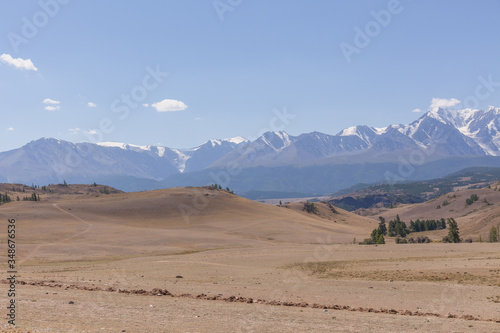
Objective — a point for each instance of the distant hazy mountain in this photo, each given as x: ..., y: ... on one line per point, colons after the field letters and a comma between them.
x: 51, y: 161
x: 439, y: 142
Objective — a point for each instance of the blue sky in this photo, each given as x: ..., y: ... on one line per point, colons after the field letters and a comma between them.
x: 233, y: 64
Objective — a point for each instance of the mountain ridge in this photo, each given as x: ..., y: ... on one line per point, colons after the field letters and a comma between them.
x: 439, y: 134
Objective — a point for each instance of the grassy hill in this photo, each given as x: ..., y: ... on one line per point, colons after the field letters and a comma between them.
x: 65, y: 225
x: 474, y: 219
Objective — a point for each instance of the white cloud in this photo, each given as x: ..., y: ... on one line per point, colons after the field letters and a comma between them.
x: 169, y: 105
x: 52, y: 108
x: 92, y: 132
x: 417, y: 110
x: 443, y: 103
x: 52, y: 104
x: 91, y: 105
x: 19, y: 63
x: 145, y: 105
x: 50, y: 101
x: 10, y: 129
x: 198, y: 118
x: 74, y: 130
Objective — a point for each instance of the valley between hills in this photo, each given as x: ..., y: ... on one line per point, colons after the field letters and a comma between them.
x: 200, y: 259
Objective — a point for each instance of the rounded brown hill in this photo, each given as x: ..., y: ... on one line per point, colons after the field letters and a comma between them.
x: 168, y: 220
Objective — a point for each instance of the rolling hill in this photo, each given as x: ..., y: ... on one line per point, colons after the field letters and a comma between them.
x: 163, y: 221
x: 474, y: 219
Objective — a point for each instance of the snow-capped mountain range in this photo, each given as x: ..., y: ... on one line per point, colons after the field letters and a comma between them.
x: 185, y: 160
x: 442, y: 133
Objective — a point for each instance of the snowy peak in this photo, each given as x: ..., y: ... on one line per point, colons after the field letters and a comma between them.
x: 124, y: 146
x: 365, y: 133
x: 185, y: 160
x: 218, y: 142
x: 47, y: 142
x: 200, y: 157
x: 276, y: 140
x: 154, y: 150
x: 457, y: 118
x: 237, y: 140
x: 349, y: 131
x: 467, y: 132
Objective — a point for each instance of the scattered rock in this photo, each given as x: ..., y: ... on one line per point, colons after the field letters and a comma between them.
x: 179, y: 277
x: 240, y: 299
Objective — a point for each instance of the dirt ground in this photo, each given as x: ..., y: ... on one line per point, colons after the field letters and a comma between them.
x: 83, y: 268
x: 281, y: 287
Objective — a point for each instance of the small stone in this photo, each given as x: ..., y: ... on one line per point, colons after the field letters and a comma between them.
x: 391, y: 281
x: 325, y: 310
x: 179, y: 277
x: 71, y: 302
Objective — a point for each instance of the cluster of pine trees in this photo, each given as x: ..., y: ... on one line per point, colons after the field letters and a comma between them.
x: 377, y: 236
x: 412, y: 240
x: 219, y: 187
x: 494, y: 235
x: 473, y: 198
x: 426, y: 225
x: 4, y: 198
x: 310, y: 208
x: 397, y: 228
x: 453, y: 233
x: 33, y: 197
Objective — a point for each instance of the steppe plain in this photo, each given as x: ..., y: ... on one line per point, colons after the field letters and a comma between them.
x: 204, y: 260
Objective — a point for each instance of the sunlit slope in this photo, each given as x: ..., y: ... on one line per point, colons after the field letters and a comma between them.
x: 473, y: 219
x: 169, y: 220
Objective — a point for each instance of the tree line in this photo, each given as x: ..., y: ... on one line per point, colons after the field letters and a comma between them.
x: 397, y: 228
